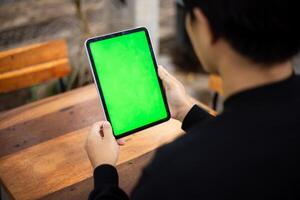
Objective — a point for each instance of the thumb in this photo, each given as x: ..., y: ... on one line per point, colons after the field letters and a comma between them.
x: 107, y: 130
x: 163, y: 75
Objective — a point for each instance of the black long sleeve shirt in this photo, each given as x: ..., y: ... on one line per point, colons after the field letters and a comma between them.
x: 250, y: 151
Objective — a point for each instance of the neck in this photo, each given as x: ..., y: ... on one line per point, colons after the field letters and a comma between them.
x: 242, y: 75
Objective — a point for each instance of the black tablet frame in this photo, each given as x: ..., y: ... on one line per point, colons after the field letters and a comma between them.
x: 97, y: 81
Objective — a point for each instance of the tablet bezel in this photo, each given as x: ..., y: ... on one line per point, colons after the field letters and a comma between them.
x: 99, y: 89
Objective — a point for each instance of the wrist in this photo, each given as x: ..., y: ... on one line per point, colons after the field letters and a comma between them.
x: 183, y: 111
x: 99, y: 163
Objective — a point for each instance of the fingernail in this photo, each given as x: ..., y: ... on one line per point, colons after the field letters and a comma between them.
x: 106, y: 124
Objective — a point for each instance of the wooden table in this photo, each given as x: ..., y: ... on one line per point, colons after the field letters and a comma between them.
x: 42, y: 147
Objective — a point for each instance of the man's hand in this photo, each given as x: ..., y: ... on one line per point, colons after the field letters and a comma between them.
x: 101, y: 146
x: 179, y: 102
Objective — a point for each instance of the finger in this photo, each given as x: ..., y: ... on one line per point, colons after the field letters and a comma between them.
x: 107, y: 131
x: 162, y: 72
x: 168, y: 77
x: 166, y: 73
x: 164, y: 77
x: 121, y: 142
x: 96, y: 127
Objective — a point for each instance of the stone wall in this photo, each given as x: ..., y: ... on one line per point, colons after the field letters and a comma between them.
x: 24, y: 22
x: 31, y: 21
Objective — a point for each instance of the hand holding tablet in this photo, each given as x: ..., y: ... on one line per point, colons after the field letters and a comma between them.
x: 125, y: 73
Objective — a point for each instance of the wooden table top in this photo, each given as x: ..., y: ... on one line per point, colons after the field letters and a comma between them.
x: 42, y: 147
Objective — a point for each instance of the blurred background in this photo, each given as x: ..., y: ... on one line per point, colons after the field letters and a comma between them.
x: 27, y: 22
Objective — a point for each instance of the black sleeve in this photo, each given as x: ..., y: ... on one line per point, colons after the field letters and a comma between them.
x: 195, y: 116
x: 106, y: 180
x: 106, y: 184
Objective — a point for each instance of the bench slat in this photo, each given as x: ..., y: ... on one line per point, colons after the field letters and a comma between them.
x: 22, y: 57
x: 129, y: 174
x: 49, y: 126
x: 46, y: 106
x: 61, y: 162
x: 33, y: 75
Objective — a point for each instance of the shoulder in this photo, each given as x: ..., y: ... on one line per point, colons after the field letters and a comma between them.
x: 213, y: 135
x: 187, y: 163
x: 197, y: 139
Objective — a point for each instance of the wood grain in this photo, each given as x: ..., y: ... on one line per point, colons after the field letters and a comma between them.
x: 43, y: 145
x: 32, y: 75
x: 25, y: 134
x: 129, y: 173
x: 34, y: 64
x: 62, y: 162
x: 32, y: 55
x: 46, y: 106
x: 215, y: 83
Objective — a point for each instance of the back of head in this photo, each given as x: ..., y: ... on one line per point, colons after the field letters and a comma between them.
x: 264, y: 31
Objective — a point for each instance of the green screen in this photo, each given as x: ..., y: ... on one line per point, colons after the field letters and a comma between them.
x: 129, y: 81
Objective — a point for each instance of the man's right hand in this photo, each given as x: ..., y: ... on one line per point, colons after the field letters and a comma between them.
x: 179, y: 102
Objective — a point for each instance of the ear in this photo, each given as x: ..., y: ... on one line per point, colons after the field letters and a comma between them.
x: 203, y: 23
x: 199, y: 15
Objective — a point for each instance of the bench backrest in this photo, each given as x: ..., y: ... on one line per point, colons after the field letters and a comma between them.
x: 215, y: 84
x: 34, y: 64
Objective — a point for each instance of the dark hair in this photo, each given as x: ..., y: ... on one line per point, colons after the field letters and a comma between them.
x: 265, y: 31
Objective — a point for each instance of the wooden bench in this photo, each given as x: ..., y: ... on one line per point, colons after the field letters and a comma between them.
x: 42, y: 147
x: 215, y: 84
x: 30, y: 65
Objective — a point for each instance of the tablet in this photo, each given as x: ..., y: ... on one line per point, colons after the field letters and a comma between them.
x: 125, y: 73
